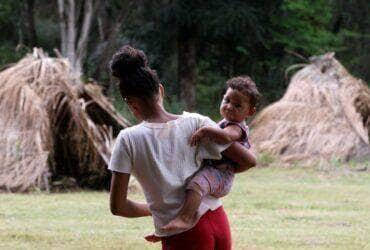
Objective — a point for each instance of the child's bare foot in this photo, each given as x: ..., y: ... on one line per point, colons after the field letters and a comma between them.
x: 179, y: 223
x: 152, y: 238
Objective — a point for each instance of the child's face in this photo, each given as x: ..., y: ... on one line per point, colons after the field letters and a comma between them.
x: 235, y: 106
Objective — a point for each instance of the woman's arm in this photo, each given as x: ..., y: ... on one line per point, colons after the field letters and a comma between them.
x: 241, y: 155
x: 119, y: 204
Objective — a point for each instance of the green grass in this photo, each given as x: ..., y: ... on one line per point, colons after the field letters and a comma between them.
x: 269, y: 208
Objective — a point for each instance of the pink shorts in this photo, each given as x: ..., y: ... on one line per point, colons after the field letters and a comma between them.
x: 212, y: 180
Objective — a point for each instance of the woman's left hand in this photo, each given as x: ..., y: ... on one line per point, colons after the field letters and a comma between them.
x: 152, y: 238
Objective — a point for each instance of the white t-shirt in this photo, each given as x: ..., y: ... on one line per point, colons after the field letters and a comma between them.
x: 159, y: 156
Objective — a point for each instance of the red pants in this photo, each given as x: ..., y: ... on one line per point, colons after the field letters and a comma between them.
x: 211, y: 232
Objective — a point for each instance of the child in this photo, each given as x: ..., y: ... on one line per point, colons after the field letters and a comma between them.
x: 215, y: 177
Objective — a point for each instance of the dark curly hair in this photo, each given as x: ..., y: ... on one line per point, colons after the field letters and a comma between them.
x: 246, y: 86
x: 136, y: 79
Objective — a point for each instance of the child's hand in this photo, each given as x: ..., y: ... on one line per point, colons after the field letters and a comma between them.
x: 197, y: 137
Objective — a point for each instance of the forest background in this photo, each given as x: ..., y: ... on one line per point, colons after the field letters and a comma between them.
x: 195, y: 46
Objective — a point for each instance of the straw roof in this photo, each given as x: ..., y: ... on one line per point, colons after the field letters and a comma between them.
x: 324, y: 115
x: 53, y: 126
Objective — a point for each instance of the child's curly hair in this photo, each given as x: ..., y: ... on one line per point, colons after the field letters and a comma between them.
x: 246, y: 86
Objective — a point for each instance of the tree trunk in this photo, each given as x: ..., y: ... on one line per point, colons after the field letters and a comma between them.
x: 187, y: 66
x: 84, y: 34
x: 75, y: 52
x: 27, y: 30
x: 103, y: 20
x: 108, y: 46
x: 109, y: 29
x: 71, y: 32
x: 63, y: 29
x: 30, y: 23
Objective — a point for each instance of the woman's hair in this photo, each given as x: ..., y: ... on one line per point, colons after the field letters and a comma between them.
x: 246, y: 86
x: 136, y: 79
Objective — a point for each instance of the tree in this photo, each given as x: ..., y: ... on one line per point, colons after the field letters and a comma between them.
x: 28, y: 24
x: 110, y: 16
x: 74, y: 46
x: 187, y: 63
x: 17, y: 30
x: 299, y: 27
x: 351, y: 23
x: 195, y: 45
x: 183, y: 30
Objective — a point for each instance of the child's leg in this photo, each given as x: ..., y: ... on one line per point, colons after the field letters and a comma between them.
x: 197, y: 188
x: 209, y: 180
x: 187, y: 214
x: 225, y: 177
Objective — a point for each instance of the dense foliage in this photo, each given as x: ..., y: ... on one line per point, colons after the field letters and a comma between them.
x: 227, y: 38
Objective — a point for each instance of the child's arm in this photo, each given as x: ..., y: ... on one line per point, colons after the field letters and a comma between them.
x: 119, y: 204
x: 222, y: 136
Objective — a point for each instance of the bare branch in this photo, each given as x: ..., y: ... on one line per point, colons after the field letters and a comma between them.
x: 57, y: 53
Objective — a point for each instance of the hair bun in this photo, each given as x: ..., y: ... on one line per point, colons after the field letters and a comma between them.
x: 127, y: 60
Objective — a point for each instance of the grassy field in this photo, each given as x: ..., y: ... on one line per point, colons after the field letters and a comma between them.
x: 269, y: 208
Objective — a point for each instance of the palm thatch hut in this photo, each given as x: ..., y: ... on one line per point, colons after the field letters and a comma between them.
x: 324, y: 115
x: 53, y: 126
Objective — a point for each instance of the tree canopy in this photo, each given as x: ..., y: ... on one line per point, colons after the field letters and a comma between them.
x: 195, y: 45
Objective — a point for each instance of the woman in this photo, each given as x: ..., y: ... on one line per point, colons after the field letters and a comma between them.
x: 157, y: 153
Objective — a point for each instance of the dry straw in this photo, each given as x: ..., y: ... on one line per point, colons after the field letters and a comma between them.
x: 53, y: 126
x: 324, y: 115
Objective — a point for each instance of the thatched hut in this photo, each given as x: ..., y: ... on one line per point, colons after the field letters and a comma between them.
x: 324, y: 115
x: 52, y: 126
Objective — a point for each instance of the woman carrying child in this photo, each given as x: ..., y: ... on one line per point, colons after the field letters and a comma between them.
x: 157, y: 153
